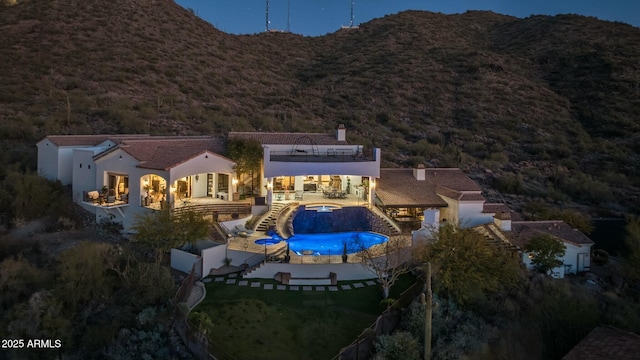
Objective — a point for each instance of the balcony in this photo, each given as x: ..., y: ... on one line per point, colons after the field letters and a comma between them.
x: 334, y: 155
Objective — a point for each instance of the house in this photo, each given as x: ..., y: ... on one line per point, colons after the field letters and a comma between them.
x: 577, y: 257
x: 405, y: 194
x: 606, y: 342
x: 295, y: 163
x: 119, y: 176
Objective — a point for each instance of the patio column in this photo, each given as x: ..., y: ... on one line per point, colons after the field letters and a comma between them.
x: 372, y: 191
x: 298, y: 183
x: 269, y: 192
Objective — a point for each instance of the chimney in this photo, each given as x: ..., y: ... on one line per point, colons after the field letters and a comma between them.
x: 341, y: 133
x: 502, y: 220
x: 419, y: 172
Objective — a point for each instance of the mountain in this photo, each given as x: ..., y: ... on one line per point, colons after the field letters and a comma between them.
x: 542, y: 107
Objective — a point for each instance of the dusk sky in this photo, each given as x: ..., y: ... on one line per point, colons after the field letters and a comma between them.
x: 318, y: 17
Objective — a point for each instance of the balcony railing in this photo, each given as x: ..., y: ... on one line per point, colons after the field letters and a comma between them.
x: 330, y: 155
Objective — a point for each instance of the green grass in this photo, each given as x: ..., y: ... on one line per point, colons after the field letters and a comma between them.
x: 253, y: 323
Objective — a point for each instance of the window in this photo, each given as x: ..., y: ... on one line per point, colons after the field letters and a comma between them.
x: 119, y: 184
x: 223, y: 183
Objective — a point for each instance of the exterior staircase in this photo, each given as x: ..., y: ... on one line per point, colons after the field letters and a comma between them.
x: 270, y: 217
x: 494, y: 236
x: 383, y: 224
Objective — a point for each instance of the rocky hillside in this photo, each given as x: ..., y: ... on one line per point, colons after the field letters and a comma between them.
x: 542, y: 107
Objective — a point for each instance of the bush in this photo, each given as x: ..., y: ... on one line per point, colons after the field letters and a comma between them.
x: 456, y: 333
x: 600, y: 256
x: 398, y: 346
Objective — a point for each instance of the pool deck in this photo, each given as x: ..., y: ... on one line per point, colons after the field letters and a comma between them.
x: 248, y: 244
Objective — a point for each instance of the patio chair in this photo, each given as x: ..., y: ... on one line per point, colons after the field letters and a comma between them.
x: 240, y: 228
x: 298, y: 195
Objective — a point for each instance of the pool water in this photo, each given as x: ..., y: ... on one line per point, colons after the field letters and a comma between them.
x: 333, y: 243
x: 267, y: 241
x: 274, y: 239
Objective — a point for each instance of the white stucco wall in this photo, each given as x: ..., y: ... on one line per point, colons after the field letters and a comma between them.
x: 344, y: 272
x: 571, y: 257
x: 449, y: 214
x: 182, y: 260
x: 48, y: 160
x: 112, y: 163
x: 470, y: 214
x: 212, y: 258
x: 84, y: 173
x: 572, y: 252
x: 199, y: 187
x: 203, y: 163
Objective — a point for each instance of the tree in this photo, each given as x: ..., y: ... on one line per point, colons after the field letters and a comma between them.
x: 84, y: 267
x: 247, y: 154
x: 386, y: 261
x: 545, y: 251
x: 18, y: 280
x: 467, y: 267
x: 163, y: 230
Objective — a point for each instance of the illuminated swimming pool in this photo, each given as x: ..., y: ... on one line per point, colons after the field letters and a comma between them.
x: 333, y: 243
x: 267, y: 241
x: 274, y: 239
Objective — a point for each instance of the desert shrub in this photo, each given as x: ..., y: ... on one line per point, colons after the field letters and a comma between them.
x: 562, y: 318
x: 400, y: 345
x: 509, y: 183
x: 29, y: 196
x: 583, y: 187
x: 456, y: 333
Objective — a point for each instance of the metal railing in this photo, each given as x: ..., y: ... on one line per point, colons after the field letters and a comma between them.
x: 330, y: 155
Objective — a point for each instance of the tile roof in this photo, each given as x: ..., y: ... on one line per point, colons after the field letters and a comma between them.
x: 398, y: 187
x: 524, y: 231
x: 495, y: 208
x: 163, y: 153
x: 90, y: 140
x: 471, y: 197
x: 604, y: 343
x: 278, y: 138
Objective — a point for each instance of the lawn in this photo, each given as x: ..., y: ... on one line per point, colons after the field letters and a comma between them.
x: 253, y: 323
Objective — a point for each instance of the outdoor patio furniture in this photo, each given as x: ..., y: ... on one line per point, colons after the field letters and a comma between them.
x: 298, y: 195
x: 93, y: 196
x: 239, y: 229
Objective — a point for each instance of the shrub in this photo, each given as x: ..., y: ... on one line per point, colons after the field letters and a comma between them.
x: 398, y: 346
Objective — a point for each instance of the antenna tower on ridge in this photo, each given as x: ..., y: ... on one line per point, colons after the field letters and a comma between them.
x: 351, y: 26
x: 351, y: 22
x: 267, y: 20
x: 289, y: 16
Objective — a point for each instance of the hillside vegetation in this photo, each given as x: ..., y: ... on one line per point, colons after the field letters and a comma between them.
x: 542, y: 107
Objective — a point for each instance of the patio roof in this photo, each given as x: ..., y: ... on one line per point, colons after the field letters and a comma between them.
x: 399, y: 188
x: 281, y: 138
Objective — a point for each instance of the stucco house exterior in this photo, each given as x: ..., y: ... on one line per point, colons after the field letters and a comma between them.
x: 295, y: 163
x: 577, y: 257
x: 139, y: 172
x: 407, y: 193
x: 117, y: 177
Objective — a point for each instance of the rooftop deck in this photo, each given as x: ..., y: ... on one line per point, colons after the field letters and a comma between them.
x: 330, y: 155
